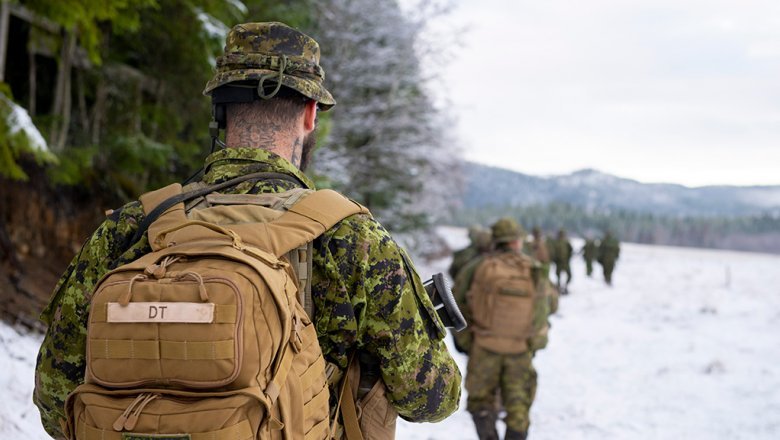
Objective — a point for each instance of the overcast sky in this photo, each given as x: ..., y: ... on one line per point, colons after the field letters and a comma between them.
x: 683, y: 91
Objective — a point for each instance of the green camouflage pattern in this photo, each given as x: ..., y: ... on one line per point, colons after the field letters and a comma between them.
x: 506, y: 229
x: 365, y: 295
x: 481, y: 242
x: 460, y: 258
x: 514, y: 375
x: 273, y: 51
x: 562, y: 250
x: 464, y: 338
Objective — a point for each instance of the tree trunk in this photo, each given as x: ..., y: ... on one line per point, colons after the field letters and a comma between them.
x: 4, y: 24
x: 33, y: 80
x: 98, y: 110
x: 61, y: 108
x: 83, y: 112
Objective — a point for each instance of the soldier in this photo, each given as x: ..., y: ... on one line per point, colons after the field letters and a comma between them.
x: 608, y: 253
x: 483, y: 242
x: 540, y: 251
x: 462, y: 256
x: 367, y: 296
x: 588, y: 252
x: 505, y: 304
x: 561, y: 258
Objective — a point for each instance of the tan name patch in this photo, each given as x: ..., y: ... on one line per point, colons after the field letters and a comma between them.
x: 167, y: 312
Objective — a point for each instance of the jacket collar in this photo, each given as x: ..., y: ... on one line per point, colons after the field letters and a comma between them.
x: 228, y: 163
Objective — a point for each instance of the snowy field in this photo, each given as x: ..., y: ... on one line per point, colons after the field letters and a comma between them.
x: 686, y: 344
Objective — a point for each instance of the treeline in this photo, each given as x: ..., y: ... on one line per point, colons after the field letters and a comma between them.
x: 115, y: 90
x: 101, y: 101
x: 759, y: 233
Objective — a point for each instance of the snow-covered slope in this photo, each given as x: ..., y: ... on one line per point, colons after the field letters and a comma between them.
x: 685, y: 345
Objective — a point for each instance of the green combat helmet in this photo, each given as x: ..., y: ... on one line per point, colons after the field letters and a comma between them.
x: 506, y: 230
x: 272, y: 55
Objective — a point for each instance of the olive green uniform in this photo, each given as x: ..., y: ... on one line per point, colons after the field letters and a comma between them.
x: 589, y: 254
x: 364, y: 294
x: 460, y: 258
x: 511, y: 375
x: 608, y: 253
x: 561, y: 256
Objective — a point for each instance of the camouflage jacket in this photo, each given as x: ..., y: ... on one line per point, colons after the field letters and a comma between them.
x: 460, y: 258
x: 365, y: 295
x: 609, y: 250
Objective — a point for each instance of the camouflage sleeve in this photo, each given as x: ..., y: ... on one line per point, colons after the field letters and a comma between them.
x: 365, y: 296
x: 61, y: 359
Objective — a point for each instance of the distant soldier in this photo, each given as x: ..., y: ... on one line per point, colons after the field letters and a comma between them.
x: 561, y: 257
x: 539, y: 250
x: 483, y: 242
x: 507, y: 310
x: 463, y: 256
x: 608, y: 253
x: 588, y: 252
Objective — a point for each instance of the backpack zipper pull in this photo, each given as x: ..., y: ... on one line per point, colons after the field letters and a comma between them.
x: 120, y: 421
x: 133, y: 419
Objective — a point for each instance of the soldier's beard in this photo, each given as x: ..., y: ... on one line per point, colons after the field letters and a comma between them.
x: 309, y: 144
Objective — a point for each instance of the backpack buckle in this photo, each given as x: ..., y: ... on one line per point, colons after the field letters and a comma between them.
x: 295, y: 336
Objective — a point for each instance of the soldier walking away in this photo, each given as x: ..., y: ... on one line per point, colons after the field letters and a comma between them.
x: 507, y: 309
x: 588, y: 252
x: 608, y: 254
x: 538, y: 249
x: 561, y: 258
x: 381, y: 341
x: 483, y: 241
x: 462, y: 256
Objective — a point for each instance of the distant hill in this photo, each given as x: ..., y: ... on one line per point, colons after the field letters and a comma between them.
x: 593, y: 190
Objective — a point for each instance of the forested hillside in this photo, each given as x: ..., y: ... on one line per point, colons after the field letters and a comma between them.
x: 588, y: 202
x: 101, y: 101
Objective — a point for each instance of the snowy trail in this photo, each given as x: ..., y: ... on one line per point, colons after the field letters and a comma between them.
x: 685, y: 345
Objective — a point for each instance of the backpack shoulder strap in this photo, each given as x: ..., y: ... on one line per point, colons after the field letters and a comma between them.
x: 171, y: 216
x: 307, y: 219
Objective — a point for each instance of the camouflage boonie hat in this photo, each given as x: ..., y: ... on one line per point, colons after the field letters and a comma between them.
x: 474, y: 231
x: 506, y: 230
x: 272, y: 54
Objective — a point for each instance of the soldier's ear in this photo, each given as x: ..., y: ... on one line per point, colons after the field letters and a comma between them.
x: 310, y: 116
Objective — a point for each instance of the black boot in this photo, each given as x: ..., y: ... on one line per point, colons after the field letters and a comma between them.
x: 511, y: 434
x: 485, y: 422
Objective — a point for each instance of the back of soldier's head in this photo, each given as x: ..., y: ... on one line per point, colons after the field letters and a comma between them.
x: 267, y: 69
x: 483, y: 240
x: 474, y: 231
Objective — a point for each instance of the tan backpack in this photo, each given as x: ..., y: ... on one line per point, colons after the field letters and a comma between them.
x: 503, y: 299
x: 206, y: 337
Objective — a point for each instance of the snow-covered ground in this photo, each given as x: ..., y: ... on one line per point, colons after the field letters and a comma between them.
x: 686, y: 344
